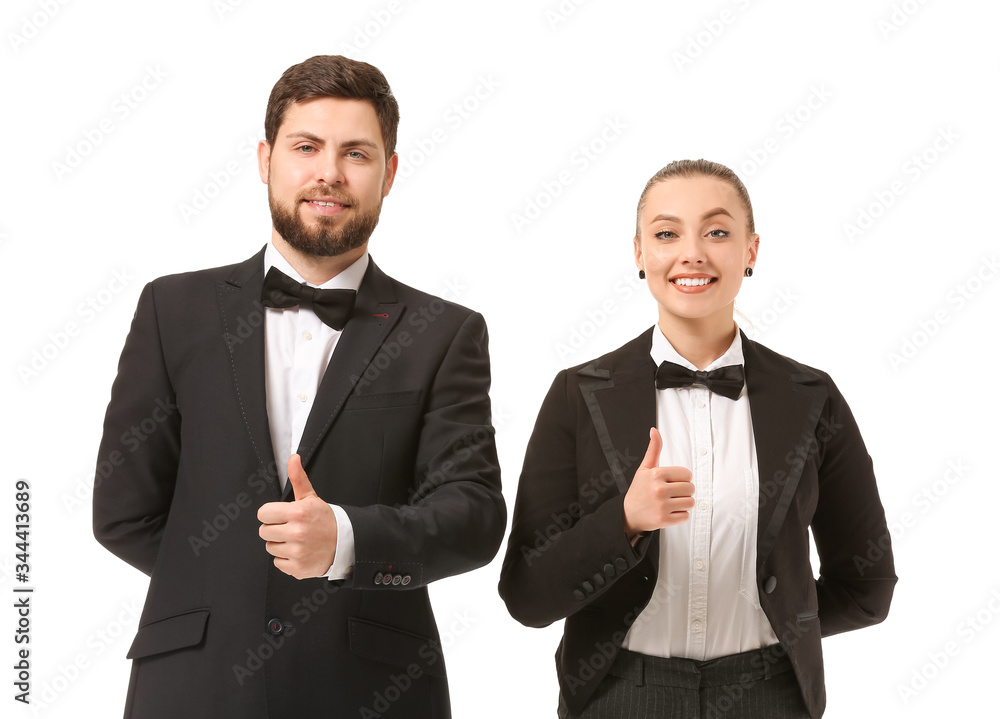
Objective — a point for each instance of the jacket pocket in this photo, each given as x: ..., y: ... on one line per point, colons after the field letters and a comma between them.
x: 395, y: 646
x: 386, y: 399
x: 165, y: 635
x: 807, y: 617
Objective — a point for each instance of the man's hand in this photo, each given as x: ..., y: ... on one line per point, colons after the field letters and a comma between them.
x: 658, y: 496
x: 302, y: 535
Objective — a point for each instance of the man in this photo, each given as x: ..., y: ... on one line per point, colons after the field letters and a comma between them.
x: 308, y: 459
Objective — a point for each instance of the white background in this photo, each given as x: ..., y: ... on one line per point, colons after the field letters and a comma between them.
x: 729, y: 81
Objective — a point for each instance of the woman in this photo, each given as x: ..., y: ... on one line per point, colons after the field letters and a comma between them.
x: 668, y: 488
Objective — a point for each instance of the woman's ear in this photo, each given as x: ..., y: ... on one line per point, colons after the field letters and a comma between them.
x: 754, y: 244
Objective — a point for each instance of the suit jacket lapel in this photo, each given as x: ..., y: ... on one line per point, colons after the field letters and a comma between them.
x: 784, y: 408
x: 619, y: 395
x: 376, y: 312
x: 622, y: 417
x: 243, y: 333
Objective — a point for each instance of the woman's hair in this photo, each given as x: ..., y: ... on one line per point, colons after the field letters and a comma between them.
x: 695, y: 168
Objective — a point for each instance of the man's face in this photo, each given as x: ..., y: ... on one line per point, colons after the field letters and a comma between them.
x: 326, y: 175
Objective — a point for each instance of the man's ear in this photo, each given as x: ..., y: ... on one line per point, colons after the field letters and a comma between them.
x: 390, y: 173
x: 263, y: 160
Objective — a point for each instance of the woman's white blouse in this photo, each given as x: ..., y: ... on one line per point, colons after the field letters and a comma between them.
x: 705, y: 603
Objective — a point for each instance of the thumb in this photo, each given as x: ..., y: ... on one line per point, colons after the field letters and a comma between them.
x: 301, y: 485
x: 652, y: 458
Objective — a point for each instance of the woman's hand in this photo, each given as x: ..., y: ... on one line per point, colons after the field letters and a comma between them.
x: 658, y: 496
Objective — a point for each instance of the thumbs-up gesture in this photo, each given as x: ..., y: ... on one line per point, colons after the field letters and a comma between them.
x: 301, y: 535
x: 658, y: 496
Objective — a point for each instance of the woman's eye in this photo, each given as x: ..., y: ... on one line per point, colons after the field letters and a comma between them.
x: 719, y: 233
x: 665, y: 235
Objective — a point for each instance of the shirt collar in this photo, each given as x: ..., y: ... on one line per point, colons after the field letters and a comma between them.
x: 661, y: 350
x: 348, y: 279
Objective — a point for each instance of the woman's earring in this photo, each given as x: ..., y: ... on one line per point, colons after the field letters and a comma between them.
x: 749, y: 272
x: 642, y: 274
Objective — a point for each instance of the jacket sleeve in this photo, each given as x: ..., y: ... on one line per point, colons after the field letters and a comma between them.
x: 137, y: 460
x: 567, y: 545
x: 456, y: 517
x: 857, y: 576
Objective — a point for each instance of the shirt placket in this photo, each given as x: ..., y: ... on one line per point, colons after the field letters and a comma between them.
x: 701, y: 521
x: 304, y: 364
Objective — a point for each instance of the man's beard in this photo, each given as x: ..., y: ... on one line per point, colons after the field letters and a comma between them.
x: 325, y: 240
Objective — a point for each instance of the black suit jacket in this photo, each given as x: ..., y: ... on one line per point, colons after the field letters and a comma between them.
x: 399, y: 435
x: 568, y: 555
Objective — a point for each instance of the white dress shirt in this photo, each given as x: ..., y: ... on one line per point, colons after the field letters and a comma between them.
x: 705, y: 603
x: 298, y: 348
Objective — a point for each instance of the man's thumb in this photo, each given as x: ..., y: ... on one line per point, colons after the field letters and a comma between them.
x: 301, y: 485
x: 652, y: 458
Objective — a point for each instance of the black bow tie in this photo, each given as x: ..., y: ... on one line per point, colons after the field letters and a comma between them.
x: 334, y: 307
x: 727, y: 381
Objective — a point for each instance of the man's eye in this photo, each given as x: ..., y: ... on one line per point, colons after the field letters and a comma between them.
x: 355, y: 155
x: 307, y: 149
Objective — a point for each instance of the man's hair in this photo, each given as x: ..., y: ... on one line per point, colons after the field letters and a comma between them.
x: 334, y: 76
x: 696, y: 168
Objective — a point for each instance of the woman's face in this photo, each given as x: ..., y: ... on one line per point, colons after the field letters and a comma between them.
x: 694, y: 246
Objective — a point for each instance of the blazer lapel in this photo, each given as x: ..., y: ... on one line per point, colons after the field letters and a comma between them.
x: 619, y: 395
x: 784, y: 408
x: 618, y: 392
x: 376, y: 312
x: 243, y: 333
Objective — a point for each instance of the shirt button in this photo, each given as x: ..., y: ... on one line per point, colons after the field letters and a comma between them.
x: 696, y: 625
x: 698, y: 565
x: 703, y: 506
x: 701, y: 405
x: 702, y: 451
x: 303, y: 396
x: 307, y: 335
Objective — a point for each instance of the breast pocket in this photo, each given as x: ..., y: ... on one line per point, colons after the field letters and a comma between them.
x: 383, y: 400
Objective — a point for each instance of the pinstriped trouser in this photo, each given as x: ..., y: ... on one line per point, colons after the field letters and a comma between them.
x: 750, y: 685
